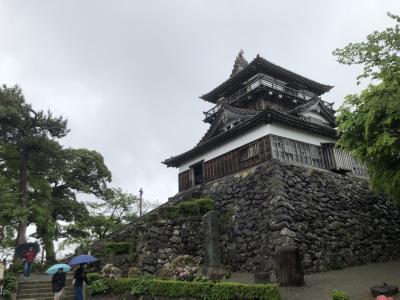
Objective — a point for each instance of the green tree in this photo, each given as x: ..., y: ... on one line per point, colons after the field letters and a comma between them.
x: 31, y: 137
x: 73, y: 171
x: 115, y: 209
x: 47, y: 176
x: 369, y: 123
x: 9, y: 213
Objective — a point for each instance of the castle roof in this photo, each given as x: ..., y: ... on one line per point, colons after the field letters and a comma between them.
x: 242, y: 113
x: 266, y: 116
x: 243, y: 71
x: 317, y: 104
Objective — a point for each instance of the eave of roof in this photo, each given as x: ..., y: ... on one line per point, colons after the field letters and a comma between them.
x: 259, y: 64
x: 246, y: 113
x: 327, y: 112
x: 267, y: 116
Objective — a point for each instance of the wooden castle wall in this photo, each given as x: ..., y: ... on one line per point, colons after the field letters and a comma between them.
x: 238, y: 159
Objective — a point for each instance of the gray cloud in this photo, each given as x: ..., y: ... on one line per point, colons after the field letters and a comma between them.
x: 127, y: 74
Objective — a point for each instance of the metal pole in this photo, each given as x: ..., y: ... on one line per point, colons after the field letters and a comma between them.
x: 140, y: 201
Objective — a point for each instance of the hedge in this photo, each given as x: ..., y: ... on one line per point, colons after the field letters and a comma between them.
x: 198, y: 290
x: 93, y: 276
x: 338, y: 295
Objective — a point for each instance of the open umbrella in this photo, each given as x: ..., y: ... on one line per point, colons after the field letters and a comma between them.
x: 54, y: 268
x: 23, y: 248
x: 82, y: 259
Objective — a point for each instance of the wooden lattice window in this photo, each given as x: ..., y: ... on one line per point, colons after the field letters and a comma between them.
x: 296, y: 151
x: 250, y: 151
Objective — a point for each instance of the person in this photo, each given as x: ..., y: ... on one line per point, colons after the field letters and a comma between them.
x: 29, y: 257
x: 79, y: 278
x: 58, y: 284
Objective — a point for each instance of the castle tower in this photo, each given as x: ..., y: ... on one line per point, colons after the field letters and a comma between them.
x: 263, y: 112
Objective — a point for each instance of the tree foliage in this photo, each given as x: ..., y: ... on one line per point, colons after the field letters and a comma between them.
x: 369, y: 123
x: 30, y: 138
x: 115, y: 209
x: 43, y: 177
x: 10, y: 212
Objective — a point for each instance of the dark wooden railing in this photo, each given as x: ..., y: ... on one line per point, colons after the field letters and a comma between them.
x: 327, y: 156
x: 252, y: 84
x: 338, y: 160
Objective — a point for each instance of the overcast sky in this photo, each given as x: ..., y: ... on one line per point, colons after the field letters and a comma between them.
x: 127, y: 74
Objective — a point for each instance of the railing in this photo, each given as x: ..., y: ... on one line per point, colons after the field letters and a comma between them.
x: 327, y: 156
x: 339, y: 160
x: 255, y: 82
x: 314, y: 120
x: 295, y: 151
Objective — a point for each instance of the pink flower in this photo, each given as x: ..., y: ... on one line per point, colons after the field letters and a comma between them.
x: 382, y: 297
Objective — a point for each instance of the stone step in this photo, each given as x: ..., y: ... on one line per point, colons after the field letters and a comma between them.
x: 33, y: 290
x: 39, y: 282
x: 66, y: 297
x: 41, y: 295
x: 41, y: 290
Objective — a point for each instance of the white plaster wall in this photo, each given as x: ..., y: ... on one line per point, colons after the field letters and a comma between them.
x: 315, y: 115
x: 257, y: 133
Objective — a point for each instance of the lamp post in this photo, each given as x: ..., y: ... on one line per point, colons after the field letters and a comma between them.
x: 140, y: 201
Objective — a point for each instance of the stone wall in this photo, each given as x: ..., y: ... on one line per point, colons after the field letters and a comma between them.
x: 158, y: 241
x: 334, y: 220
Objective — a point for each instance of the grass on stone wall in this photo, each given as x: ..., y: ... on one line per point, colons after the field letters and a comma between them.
x: 116, y: 248
x: 193, y: 207
x: 197, y: 290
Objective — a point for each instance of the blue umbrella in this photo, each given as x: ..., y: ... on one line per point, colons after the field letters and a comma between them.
x: 54, y: 269
x: 82, y: 259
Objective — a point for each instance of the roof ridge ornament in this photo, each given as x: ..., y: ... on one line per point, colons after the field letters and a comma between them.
x: 240, y: 63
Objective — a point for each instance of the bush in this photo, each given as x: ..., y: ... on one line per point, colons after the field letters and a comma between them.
x: 93, y: 277
x: 218, y: 275
x: 111, y: 271
x: 338, y: 295
x: 182, y: 267
x: 166, y: 272
x: 99, y: 286
x: 10, y: 284
x: 134, y: 272
x: 198, y: 290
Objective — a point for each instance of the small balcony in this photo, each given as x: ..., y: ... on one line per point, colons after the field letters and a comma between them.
x: 327, y: 156
x: 340, y: 161
x: 260, y: 80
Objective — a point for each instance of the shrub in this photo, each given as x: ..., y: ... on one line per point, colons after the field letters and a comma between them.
x: 200, y: 278
x: 205, y: 290
x: 10, y: 284
x: 134, y: 272
x: 198, y: 290
x: 111, y: 271
x: 338, y: 295
x: 217, y: 275
x: 183, y: 267
x: 166, y: 272
x: 93, y: 277
x: 99, y: 286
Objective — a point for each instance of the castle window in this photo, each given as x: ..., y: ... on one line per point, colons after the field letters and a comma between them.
x: 197, y: 172
x: 295, y: 151
x: 250, y: 151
